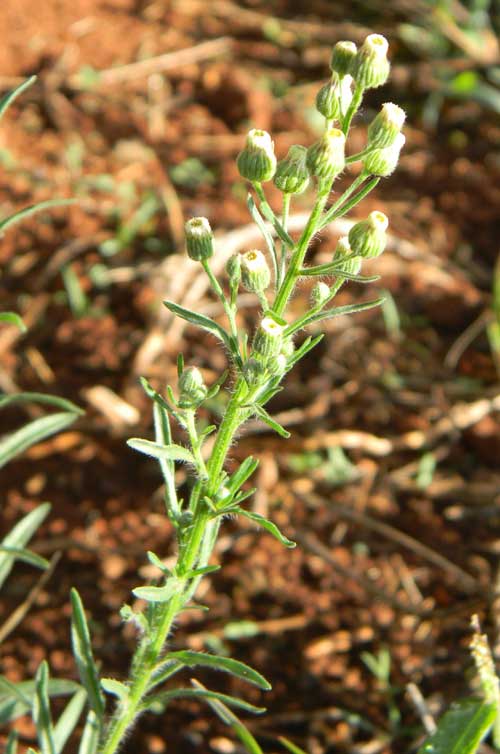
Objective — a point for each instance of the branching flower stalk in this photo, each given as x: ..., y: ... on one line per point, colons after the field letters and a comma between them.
x: 258, y: 362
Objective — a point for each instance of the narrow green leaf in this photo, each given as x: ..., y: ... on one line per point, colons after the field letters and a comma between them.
x: 13, y: 705
x: 11, y: 747
x: 163, y: 436
x: 263, y: 229
x: 82, y: 651
x: 116, y: 688
x: 68, y: 720
x: 199, y: 320
x: 41, y: 711
x: 9, y: 98
x: 334, y: 269
x: 157, y: 562
x: 240, y: 476
x: 26, y: 556
x: 334, y: 213
x: 462, y: 728
x: 306, y: 346
x: 202, y: 571
x: 268, y: 419
x: 336, y: 312
x: 14, y: 691
x: 224, y: 664
x: 34, y: 432
x: 17, y: 217
x: 280, y: 231
x: 292, y: 748
x: 166, y: 696
x: 266, y: 524
x: 229, y: 718
x: 51, y: 400
x: 11, y: 318
x: 158, y: 593
x: 20, y: 535
x: 90, y: 736
x: 162, y: 452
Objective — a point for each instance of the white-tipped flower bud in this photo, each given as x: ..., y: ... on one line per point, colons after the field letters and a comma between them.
x: 385, y: 127
x: 320, y: 294
x: 253, y: 370
x: 368, y: 237
x: 255, y: 273
x: 383, y: 162
x: 292, y: 175
x: 192, y: 389
x: 199, y: 239
x: 342, y: 250
x: 345, y: 94
x: 288, y: 348
x: 370, y: 67
x: 343, y: 55
x: 233, y: 269
x: 257, y: 161
x: 326, y: 158
x: 267, y: 340
x: 327, y: 99
x: 278, y: 365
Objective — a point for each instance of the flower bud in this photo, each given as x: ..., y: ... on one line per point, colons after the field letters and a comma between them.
x: 368, y: 237
x: 343, y: 55
x: 233, y: 269
x: 320, y: 294
x: 370, y: 67
x: 382, y: 162
x: 278, y: 365
x: 288, y: 348
x: 267, y: 340
x: 255, y: 273
x: 257, y: 161
x: 253, y: 370
x: 192, y: 389
x: 343, y: 249
x: 292, y: 175
x: 327, y: 99
x: 199, y: 239
x: 325, y: 158
x: 345, y: 93
x: 385, y: 127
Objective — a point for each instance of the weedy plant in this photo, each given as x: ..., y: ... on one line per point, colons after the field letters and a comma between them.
x: 258, y: 363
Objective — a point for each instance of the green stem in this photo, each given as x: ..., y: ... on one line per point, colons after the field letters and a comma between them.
x: 284, y: 221
x: 353, y: 107
x: 297, y: 259
x: 226, y: 304
x: 343, y: 208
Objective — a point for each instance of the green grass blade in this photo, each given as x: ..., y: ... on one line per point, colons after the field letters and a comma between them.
x: 68, y: 720
x: 82, y: 651
x: 90, y: 736
x: 37, y: 430
x: 41, y: 711
x: 9, y: 98
x: 17, y: 217
x: 11, y: 318
x: 292, y: 748
x: 19, y: 536
x: 11, y: 747
x: 43, y: 398
x: 26, y: 556
x: 462, y: 728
